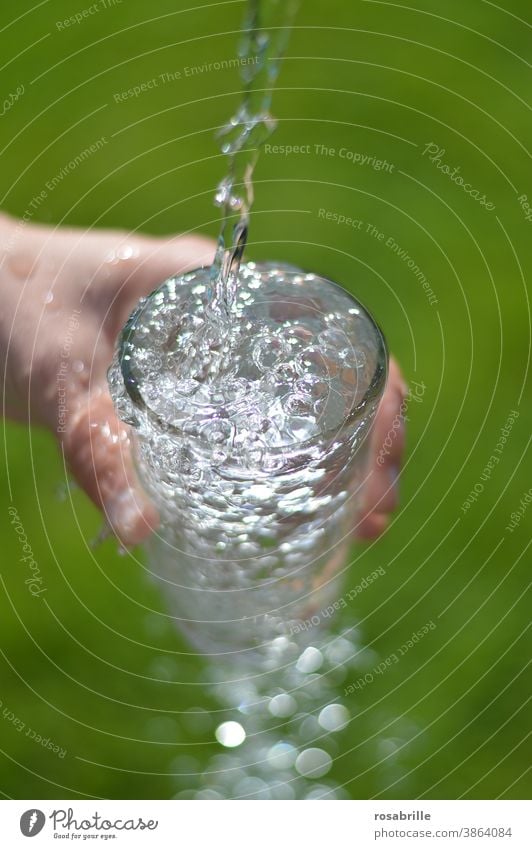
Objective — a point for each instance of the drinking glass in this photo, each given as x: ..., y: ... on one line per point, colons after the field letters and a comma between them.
x: 252, y: 440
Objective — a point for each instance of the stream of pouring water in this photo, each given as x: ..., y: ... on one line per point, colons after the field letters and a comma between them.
x: 284, y: 696
x: 266, y: 32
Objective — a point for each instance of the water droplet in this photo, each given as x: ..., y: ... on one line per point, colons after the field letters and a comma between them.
x: 309, y: 729
x: 321, y: 791
x: 341, y: 650
x: 313, y: 763
x: 282, y: 705
x: 230, y: 734
x: 259, y: 493
x: 207, y: 793
x: 282, y: 756
x: 282, y: 791
x: 252, y: 788
x: 310, y: 660
x: 334, y: 717
x: 387, y: 747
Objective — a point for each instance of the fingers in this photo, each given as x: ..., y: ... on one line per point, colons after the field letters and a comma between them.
x: 96, y: 443
x: 135, y: 266
x: 98, y: 450
x: 371, y: 525
x: 159, y: 259
x: 381, y: 491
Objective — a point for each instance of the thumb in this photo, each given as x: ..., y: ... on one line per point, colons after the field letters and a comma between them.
x: 138, y: 267
x: 97, y: 448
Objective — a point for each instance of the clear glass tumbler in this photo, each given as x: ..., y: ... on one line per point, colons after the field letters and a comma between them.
x: 252, y: 441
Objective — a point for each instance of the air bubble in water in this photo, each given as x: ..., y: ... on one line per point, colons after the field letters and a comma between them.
x: 269, y: 350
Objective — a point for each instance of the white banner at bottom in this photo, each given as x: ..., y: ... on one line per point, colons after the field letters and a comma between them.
x: 266, y: 825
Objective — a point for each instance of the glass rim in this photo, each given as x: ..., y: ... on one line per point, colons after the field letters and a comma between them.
x: 131, y: 384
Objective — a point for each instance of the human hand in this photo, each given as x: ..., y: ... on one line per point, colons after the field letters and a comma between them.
x: 381, y: 491
x: 66, y: 293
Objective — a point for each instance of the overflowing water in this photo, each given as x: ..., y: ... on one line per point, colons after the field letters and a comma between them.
x: 251, y: 389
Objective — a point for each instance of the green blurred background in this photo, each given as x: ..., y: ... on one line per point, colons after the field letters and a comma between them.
x: 99, y: 668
